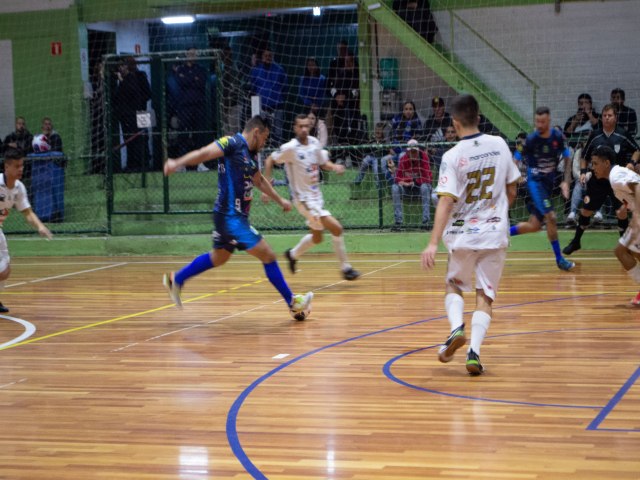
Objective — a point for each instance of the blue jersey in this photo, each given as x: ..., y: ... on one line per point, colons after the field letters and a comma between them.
x: 235, y: 176
x: 543, y: 154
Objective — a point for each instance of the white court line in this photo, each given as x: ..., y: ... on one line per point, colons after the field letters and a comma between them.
x: 37, y: 280
x: 13, y: 383
x: 217, y: 320
x: 280, y: 356
x: 29, y: 329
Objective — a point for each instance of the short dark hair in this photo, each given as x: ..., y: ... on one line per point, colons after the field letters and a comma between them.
x: 11, y: 154
x: 586, y: 96
x: 543, y: 111
x: 301, y: 116
x: 259, y: 122
x: 605, y: 152
x: 611, y: 106
x: 618, y: 91
x: 465, y: 109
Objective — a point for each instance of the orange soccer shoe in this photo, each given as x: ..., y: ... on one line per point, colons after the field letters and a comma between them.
x: 636, y: 300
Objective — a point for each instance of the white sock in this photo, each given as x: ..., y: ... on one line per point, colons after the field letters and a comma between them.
x: 341, y: 252
x: 635, y: 273
x: 454, y: 305
x: 479, y: 325
x: 303, y: 245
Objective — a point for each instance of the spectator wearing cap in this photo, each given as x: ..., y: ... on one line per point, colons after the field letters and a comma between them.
x: 413, y: 180
x: 627, y: 118
x: 438, y: 121
x: 585, y: 119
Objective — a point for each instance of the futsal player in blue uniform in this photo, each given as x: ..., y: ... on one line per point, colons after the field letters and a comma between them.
x: 542, y: 151
x: 238, y: 173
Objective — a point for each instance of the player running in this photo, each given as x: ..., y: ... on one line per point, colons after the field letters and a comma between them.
x: 302, y: 158
x: 477, y: 184
x: 237, y: 174
x: 542, y: 150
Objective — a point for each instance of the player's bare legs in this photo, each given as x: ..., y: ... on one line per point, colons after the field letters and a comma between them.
x: 4, y: 275
x: 336, y: 230
x: 629, y: 261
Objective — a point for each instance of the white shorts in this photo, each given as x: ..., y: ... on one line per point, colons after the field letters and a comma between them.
x: 631, y: 239
x: 487, y: 265
x: 4, y: 253
x: 313, y: 210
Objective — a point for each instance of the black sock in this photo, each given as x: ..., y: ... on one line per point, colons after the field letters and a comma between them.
x: 583, y: 223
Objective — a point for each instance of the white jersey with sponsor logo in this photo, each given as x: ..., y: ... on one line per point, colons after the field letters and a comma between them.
x: 303, y: 170
x: 620, y: 178
x: 475, y: 173
x: 10, y: 197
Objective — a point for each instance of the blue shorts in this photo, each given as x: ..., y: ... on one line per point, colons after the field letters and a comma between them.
x: 233, y: 232
x: 540, y: 191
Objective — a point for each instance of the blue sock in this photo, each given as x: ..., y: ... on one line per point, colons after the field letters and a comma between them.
x: 200, y: 264
x: 555, y: 244
x: 274, y: 274
x: 513, y: 231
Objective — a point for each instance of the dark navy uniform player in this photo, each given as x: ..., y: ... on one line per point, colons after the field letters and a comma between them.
x: 238, y: 173
x: 627, y: 155
x: 542, y: 151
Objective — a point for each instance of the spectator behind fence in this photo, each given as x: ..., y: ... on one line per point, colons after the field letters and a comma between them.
x: 585, y: 119
x: 47, y: 177
x: 417, y: 14
x: 191, y: 103
x: 437, y: 151
x: 413, y: 180
x: 627, y: 118
x: 131, y: 96
x: 437, y: 122
x: 98, y: 127
x: 373, y: 154
x: 319, y: 129
x: 20, y: 138
x: 269, y: 81
x: 54, y: 138
x: 313, y: 87
x: 231, y: 93
x: 404, y: 126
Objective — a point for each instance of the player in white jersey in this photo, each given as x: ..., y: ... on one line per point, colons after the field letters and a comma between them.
x: 477, y: 184
x: 14, y: 194
x: 303, y: 157
x: 625, y: 184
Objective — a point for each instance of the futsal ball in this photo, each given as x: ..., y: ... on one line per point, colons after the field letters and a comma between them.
x: 301, y: 315
x: 40, y: 143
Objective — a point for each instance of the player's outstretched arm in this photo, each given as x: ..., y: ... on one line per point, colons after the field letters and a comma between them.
x: 443, y: 212
x: 35, y: 222
x: 195, y: 157
x: 329, y: 166
x: 265, y: 187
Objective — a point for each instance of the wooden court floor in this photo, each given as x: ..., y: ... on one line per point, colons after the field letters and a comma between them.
x: 101, y: 377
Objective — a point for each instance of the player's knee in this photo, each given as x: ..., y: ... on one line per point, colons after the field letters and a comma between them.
x: 621, y: 252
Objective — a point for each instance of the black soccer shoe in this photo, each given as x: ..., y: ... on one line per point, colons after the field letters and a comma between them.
x: 292, y: 261
x: 573, y: 246
x: 351, y: 274
x: 3, y: 309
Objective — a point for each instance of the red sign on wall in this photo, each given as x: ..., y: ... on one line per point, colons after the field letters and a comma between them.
x: 56, y: 48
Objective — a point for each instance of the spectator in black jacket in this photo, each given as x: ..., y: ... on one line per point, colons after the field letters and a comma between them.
x: 131, y: 96
x: 417, y: 13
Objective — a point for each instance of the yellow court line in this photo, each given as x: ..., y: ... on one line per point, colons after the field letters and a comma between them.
x: 112, y: 320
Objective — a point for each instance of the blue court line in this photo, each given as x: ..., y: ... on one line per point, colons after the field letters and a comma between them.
x: 612, y: 403
x: 232, y: 416
x: 386, y: 369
